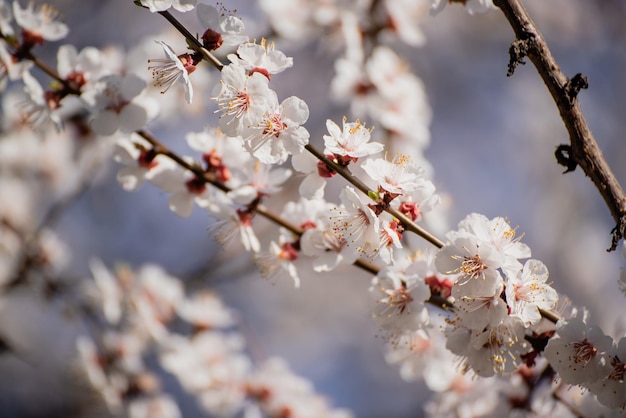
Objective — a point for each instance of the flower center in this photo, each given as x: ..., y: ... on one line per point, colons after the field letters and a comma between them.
x: 584, y: 351
x: 472, y: 267
x: 399, y: 299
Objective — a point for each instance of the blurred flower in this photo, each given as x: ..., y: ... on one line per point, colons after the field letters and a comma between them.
x: 161, y: 5
x: 39, y: 23
x: 114, y: 104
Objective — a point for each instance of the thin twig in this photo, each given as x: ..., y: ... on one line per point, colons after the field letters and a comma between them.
x: 584, y: 150
x: 193, y: 42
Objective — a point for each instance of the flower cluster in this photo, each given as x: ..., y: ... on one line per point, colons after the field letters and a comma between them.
x: 497, y: 298
x: 496, y: 308
x: 133, y: 315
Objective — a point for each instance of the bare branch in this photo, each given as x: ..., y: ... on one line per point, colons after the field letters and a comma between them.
x: 583, y: 149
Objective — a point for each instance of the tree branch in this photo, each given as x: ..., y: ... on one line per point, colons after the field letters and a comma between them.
x: 583, y: 148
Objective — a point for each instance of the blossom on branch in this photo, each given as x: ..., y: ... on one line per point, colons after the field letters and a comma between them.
x: 356, y: 224
x: 172, y: 68
x: 579, y: 351
x: 80, y: 68
x: 263, y: 58
x: 528, y: 292
x: 115, y: 104
x: 400, y: 295
x: 39, y: 23
x: 397, y: 177
x: 223, y: 29
x: 138, y: 158
x: 350, y: 142
x: 278, y: 133
x: 37, y: 110
x: 243, y: 100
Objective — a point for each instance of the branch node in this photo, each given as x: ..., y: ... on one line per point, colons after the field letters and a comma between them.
x: 617, y: 233
x: 517, y: 52
x: 574, y: 86
x: 565, y: 158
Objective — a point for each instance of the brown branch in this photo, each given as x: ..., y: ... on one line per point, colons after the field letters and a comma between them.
x: 192, y: 41
x: 583, y: 148
x: 260, y: 209
x: 356, y: 182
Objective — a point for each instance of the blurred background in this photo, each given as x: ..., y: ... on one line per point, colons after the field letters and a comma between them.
x: 492, y: 149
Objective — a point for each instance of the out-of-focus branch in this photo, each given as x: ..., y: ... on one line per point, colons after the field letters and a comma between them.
x: 583, y: 149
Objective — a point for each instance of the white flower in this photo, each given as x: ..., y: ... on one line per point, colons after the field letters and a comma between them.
x: 186, y: 187
x: 11, y: 68
x: 90, y: 361
x: 138, y: 158
x: 223, y: 29
x: 262, y: 58
x: 161, y: 5
x: 418, y: 202
x: 313, y: 185
x: 397, y: 177
x: 611, y: 388
x: 405, y: 15
x: 79, y: 68
x: 476, y: 262
x: 578, y: 351
x: 277, y: 389
x: 231, y: 221
x: 324, y: 243
x: 109, y: 292
x: 40, y: 23
x: 390, y: 236
x: 500, y: 235
x: 211, y: 366
x: 172, y: 68
x: 400, y: 302
x: 222, y: 155
x: 293, y: 19
x: 243, y: 100
x: 160, y: 406
x: 478, y: 311
x: 156, y: 296
x: 281, y: 256
x: 494, y: 350
x: 397, y: 98
x: 356, y: 224
x: 278, y: 133
x: 319, y: 239
x: 258, y: 179
x: 351, y: 142
x: 112, y: 99
x: 36, y: 108
x: 206, y: 311
x: 528, y: 292
x: 472, y: 6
